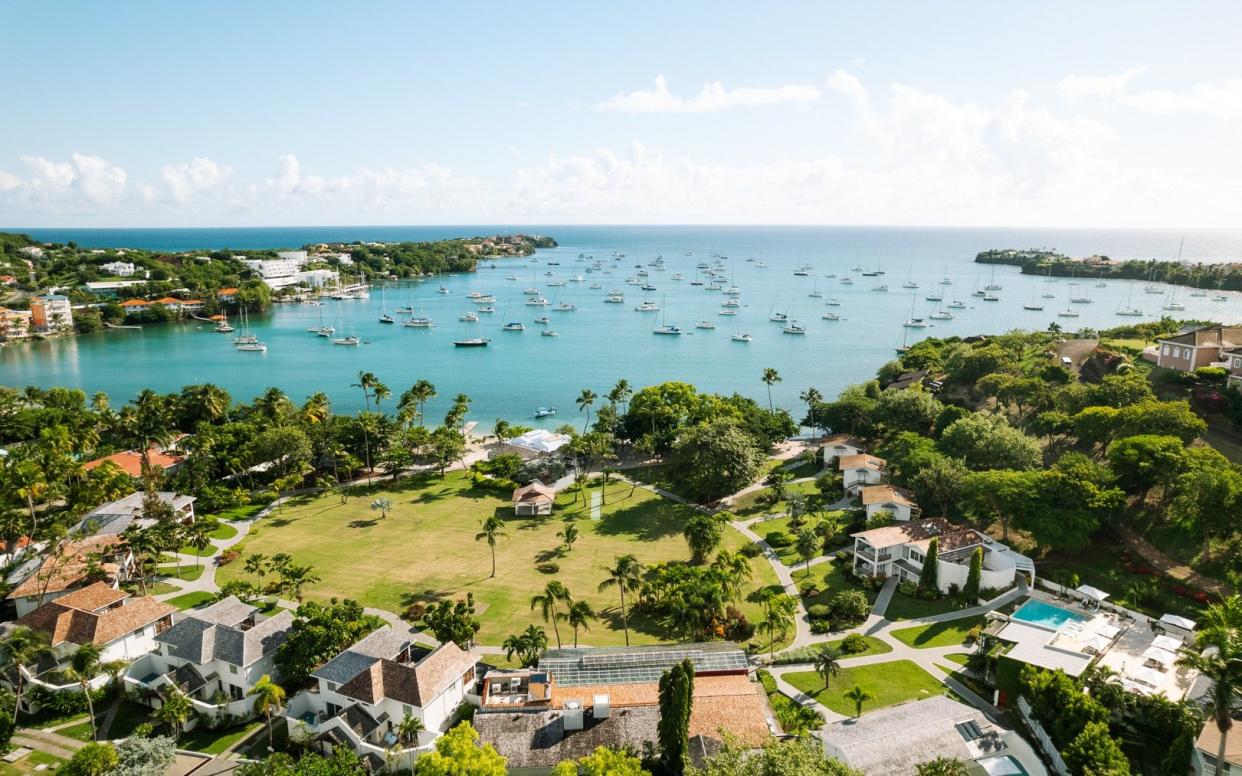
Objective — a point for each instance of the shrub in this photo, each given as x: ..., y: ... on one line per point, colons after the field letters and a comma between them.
x: 548, y: 567
x: 736, y: 626
x: 850, y: 606
x: 228, y: 556
x: 854, y: 643
x: 778, y: 539
x: 972, y: 635
x: 818, y: 612
x: 820, y: 627
x: 908, y: 588
x: 415, y: 611
x: 751, y: 550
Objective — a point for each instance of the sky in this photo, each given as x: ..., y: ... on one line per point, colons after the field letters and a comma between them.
x: 1102, y: 114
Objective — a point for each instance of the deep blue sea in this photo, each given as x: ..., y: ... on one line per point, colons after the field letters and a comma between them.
x: 599, y: 342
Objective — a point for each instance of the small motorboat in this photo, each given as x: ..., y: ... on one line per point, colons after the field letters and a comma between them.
x: 831, y: 317
x: 418, y: 323
x: 727, y: 311
x: 487, y: 309
x: 514, y: 326
x: 469, y: 318
x: 615, y: 298
x: 793, y: 328
x: 473, y: 342
x: 915, y: 323
x: 740, y: 337
x: 704, y: 325
x: 347, y: 341
x: 545, y: 412
x: 443, y: 290
x: 668, y: 329
x: 549, y: 333
x: 941, y: 315
x: 543, y: 319
x: 648, y: 307
x: 565, y: 307
x: 957, y: 305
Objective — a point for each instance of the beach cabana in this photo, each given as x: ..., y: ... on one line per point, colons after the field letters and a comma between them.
x: 1091, y: 593
x: 1155, y: 656
x: 533, y: 499
x: 1176, y: 624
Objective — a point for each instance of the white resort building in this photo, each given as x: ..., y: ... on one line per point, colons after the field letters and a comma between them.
x: 898, y: 550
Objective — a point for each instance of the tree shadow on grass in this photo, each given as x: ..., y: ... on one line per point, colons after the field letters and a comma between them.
x: 645, y: 521
x: 360, y: 523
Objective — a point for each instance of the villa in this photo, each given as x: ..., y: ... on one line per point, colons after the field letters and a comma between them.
x: 72, y: 566
x: 887, y: 498
x: 116, y: 516
x: 50, y: 312
x: 578, y: 699
x: 130, y: 461
x: 362, y: 694
x: 536, y: 443
x: 124, y: 627
x: 840, y: 445
x: 1207, y: 746
x: 859, y: 470
x: 213, y: 656
x: 14, y: 324
x: 1192, y: 349
x: 927, y: 729
x: 900, y: 549
x: 533, y: 499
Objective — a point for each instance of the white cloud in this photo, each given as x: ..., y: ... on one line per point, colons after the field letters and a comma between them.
x: 1219, y: 100
x: 713, y: 97
x: 1076, y: 87
x: 81, y: 182
x: 194, y: 178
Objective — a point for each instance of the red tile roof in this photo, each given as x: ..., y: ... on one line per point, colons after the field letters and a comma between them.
x: 130, y: 461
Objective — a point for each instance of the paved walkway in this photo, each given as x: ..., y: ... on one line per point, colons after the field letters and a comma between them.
x: 48, y: 741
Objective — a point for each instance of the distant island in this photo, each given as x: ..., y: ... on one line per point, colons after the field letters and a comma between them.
x: 1226, y: 276
x: 57, y: 288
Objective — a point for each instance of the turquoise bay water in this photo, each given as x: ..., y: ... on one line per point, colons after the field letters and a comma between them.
x: 600, y: 342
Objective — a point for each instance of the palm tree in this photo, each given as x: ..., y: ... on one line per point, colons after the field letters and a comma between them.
x: 294, y: 578
x: 492, y: 529
x: 316, y: 409
x: 828, y: 663
x: 568, y: 536
x: 366, y: 380
x: 1221, y: 665
x: 626, y: 575
x: 859, y: 696
x: 256, y: 563
x: 23, y: 647
x: 770, y: 378
x: 812, y: 397
x: 83, y: 667
x: 553, y: 594
x: 175, y: 709
x: 268, y: 698
x: 579, y: 615
x: 381, y: 505
x: 408, y: 729
x: 501, y: 429
x: 943, y: 766
x: 808, y: 546
x: 621, y: 392
x: 415, y: 399
x: 585, y: 400
x: 198, y: 536
x: 380, y: 392
x: 527, y: 645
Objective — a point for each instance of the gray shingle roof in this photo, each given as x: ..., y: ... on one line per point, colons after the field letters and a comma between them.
x: 199, y: 640
x: 115, y: 516
x: 385, y: 643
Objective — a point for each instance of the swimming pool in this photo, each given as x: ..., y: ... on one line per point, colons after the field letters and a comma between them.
x: 1046, y: 615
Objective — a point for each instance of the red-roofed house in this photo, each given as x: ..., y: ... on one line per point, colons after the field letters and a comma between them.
x: 130, y: 461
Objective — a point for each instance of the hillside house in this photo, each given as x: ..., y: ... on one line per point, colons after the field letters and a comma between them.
x: 859, y: 470
x: 898, y: 502
x: 900, y: 549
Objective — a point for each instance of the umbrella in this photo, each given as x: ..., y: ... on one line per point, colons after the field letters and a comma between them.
x: 1094, y: 593
x: 1162, y: 656
x: 1106, y: 630
x: 1097, y: 642
x: 1000, y: 766
x: 1147, y: 676
x: 1167, y: 642
x: 1177, y: 622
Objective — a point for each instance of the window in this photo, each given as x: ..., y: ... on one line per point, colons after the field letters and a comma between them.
x: 407, y: 709
x: 1166, y: 350
x: 232, y: 669
x: 915, y: 556
x: 332, y: 686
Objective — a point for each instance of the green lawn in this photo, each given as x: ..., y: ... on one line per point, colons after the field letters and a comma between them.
x: 789, y: 555
x: 186, y: 573
x: 29, y: 763
x: 959, y: 659
x: 203, y: 739
x: 891, y: 683
x: 206, y: 552
x: 905, y: 607
x: 938, y: 634
x: 128, y: 717
x: 806, y: 654
x: 831, y: 577
x: 239, y: 513
x: 224, y: 531
x: 425, y: 550
x: 190, y: 600
x: 757, y: 502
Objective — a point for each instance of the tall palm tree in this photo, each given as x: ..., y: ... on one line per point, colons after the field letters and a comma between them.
x: 827, y: 663
x: 1221, y: 665
x: 23, y: 647
x: 268, y: 698
x: 83, y: 667
x: 554, y: 594
x: 492, y: 529
x: 527, y: 645
x: 620, y: 393
x: 625, y: 574
x: 297, y: 577
x: 366, y: 380
x: 175, y: 709
x: 501, y: 430
x: 316, y: 409
x: 585, y: 400
x: 812, y: 397
x: 408, y: 729
x: 859, y: 696
x: 414, y: 399
x: 256, y: 563
x: 578, y: 616
x: 198, y: 536
x: 380, y: 392
x: 770, y: 378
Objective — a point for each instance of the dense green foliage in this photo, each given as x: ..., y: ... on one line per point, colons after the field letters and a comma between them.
x: 319, y: 633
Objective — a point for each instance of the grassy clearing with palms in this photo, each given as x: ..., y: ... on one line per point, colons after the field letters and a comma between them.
x: 425, y: 550
x: 889, y: 683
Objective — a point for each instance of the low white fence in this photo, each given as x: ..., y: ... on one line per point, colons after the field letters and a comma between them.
x: 1042, y: 738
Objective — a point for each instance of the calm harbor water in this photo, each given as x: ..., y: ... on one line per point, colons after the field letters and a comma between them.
x: 600, y: 342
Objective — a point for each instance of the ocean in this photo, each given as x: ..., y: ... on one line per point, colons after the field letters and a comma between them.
x: 600, y: 343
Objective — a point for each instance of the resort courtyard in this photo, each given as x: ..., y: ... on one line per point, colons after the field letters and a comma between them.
x: 425, y: 550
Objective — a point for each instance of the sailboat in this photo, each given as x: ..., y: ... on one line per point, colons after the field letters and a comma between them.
x: 1128, y: 308
x: 1171, y: 302
x: 248, y: 342
x: 665, y: 327
x: 384, y: 316
x: 1078, y: 298
x: 223, y: 325
x: 1198, y: 292
x: 992, y: 284
x: 912, y: 322
x: 1034, y: 306
x: 941, y: 315
x: 910, y: 280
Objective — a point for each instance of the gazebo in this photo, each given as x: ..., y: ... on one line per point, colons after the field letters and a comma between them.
x: 533, y: 499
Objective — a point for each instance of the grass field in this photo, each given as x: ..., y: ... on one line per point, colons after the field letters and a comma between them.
x: 203, y: 739
x: 789, y: 555
x: 904, y: 607
x: 831, y: 577
x: 128, y: 716
x: 188, y: 572
x: 425, y: 551
x: 891, y: 683
x: 757, y: 503
x: 938, y: 634
x: 875, y: 646
x: 190, y: 600
x: 30, y: 763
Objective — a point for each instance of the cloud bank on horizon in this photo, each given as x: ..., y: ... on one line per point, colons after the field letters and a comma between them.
x: 812, y: 143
